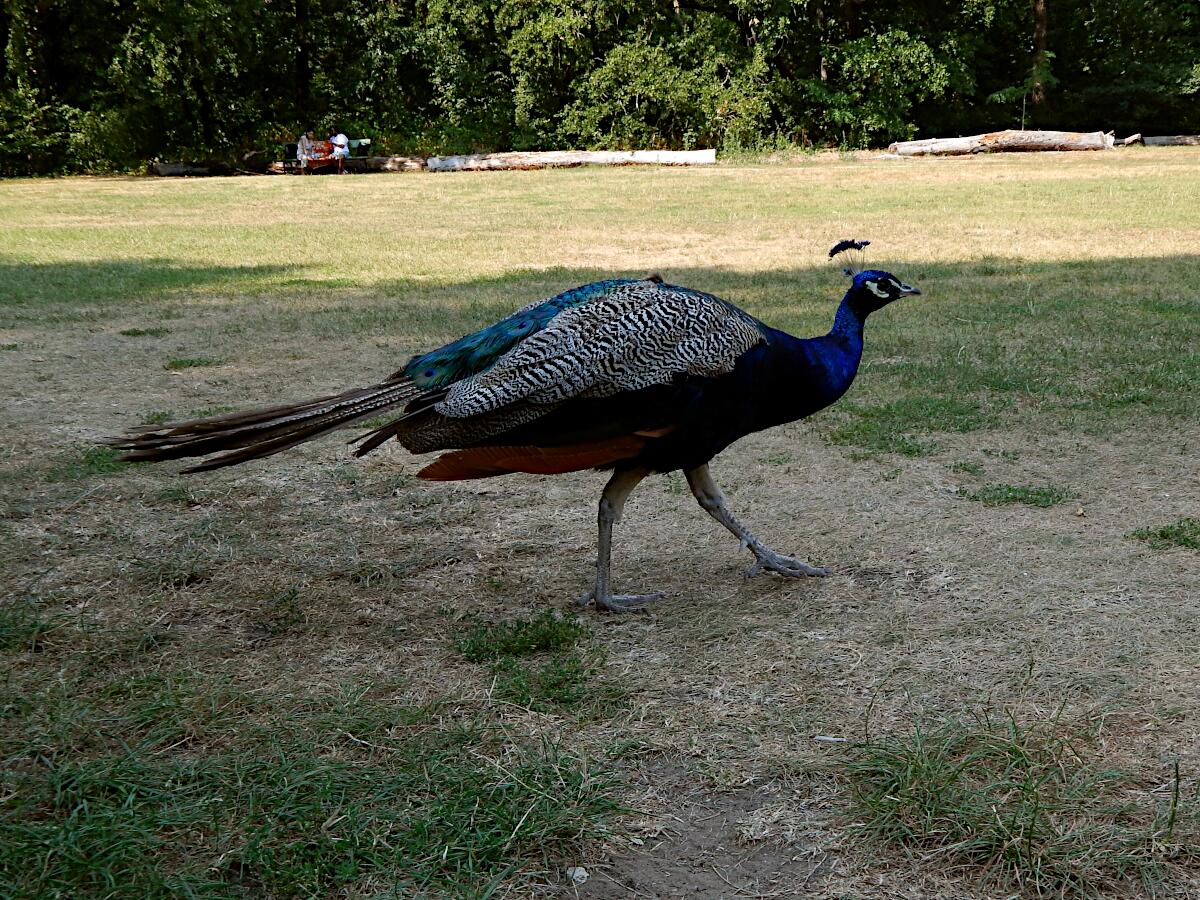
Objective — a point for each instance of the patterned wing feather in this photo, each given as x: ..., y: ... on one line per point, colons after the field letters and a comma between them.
x: 637, y: 335
x: 476, y: 352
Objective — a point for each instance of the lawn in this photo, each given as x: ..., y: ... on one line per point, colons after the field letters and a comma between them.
x: 314, y: 676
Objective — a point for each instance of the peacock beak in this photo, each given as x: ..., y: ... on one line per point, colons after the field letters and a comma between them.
x: 908, y: 289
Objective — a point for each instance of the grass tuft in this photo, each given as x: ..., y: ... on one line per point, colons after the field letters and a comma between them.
x: 158, y: 417
x: 1184, y: 533
x: 87, y: 462
x: 23, y: 627
x: 377, y: 421
x: 520, y: 637
x: 1005, y: 494
x: 966, y: 467
x: 196, y: 362
x: 145, y: 332
x: 566, y: 682
x: 565, y: 678
x: 179, y: 494
x: 1023, y: 806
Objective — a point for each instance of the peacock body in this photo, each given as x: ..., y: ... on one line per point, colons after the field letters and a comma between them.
x: 633, y: 375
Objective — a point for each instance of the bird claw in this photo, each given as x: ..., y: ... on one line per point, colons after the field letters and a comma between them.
x: 619, y: 602
x: 785, y: 565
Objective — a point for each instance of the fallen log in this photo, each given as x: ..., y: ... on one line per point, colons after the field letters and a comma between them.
x: 1173, y: 140
x: 479, y: 162
x: 190, y: 169
x: 386, y: 164
x: 1005, y: 142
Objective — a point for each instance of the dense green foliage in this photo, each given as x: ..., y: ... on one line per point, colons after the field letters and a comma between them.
x: 96, y: 85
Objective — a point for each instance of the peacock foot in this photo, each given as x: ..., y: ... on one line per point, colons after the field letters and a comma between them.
x: 618, y: 602
x: 770, y: 561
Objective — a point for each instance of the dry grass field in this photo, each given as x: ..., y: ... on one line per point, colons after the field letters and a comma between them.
x: 320, y: 677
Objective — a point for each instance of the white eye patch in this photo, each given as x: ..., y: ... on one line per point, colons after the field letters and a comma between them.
x: 873, y: 287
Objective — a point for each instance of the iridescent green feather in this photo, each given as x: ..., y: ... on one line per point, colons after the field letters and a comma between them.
x: 478, y: 352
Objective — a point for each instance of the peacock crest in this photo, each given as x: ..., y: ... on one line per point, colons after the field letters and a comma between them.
x: 857, y: 255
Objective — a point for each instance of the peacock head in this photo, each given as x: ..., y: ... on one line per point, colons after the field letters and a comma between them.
x: 873, y: 289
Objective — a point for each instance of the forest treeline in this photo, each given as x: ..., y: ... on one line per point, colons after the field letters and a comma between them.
x: 105, y: 85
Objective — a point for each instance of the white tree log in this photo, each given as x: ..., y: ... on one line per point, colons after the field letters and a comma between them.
x: 386, y: 164
x: 1173, y: 140
x: 560, y: 158
x: 1005, y: 142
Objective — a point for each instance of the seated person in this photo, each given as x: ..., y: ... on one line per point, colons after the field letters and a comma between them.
x: 304, y: 149
x: 341, y: 149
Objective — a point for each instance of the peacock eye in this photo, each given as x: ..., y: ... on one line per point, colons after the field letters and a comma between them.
x: 873, y: 287
x: 429, y: 373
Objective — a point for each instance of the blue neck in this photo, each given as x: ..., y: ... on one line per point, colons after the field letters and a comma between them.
x: 848, y: 323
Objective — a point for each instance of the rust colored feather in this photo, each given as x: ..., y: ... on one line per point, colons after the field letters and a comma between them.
x: 486, y: 462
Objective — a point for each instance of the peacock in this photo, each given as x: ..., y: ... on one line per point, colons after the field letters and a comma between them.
x: 633, y: 376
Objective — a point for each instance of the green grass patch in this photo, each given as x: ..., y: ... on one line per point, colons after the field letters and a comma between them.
x: 878, y: 438
x: 1006, y: 494
x: 86, y: 463
x: 1184, y: 533
x: 378, y: 421
x: 537, y: 664
x: 890, y: 427
x: 1021, y: 806
x: 23, y: 626
x: 566, y: 682
x: 192, y: 362
x: 9, y: 346
x: 179, y: 494
x: 158, y: 417
x: 324, y: 795
x: 544, y: 633
x: 173, y: 571
x: 966, y: 467
x: 145, y: 332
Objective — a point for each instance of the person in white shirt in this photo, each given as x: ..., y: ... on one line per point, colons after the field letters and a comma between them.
x: 341, y: 150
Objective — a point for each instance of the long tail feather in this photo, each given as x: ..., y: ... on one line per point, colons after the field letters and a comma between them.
x: 261, y: 432
x: 373, y: 439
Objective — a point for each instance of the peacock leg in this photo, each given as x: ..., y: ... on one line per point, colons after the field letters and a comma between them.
x: 765, y: 559
x: 612, y: 503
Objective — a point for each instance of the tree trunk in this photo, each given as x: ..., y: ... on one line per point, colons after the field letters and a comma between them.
x: 1038, y: 94
x: 1005, y: 141
x: 302, y: 72
x: 818, y: 12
